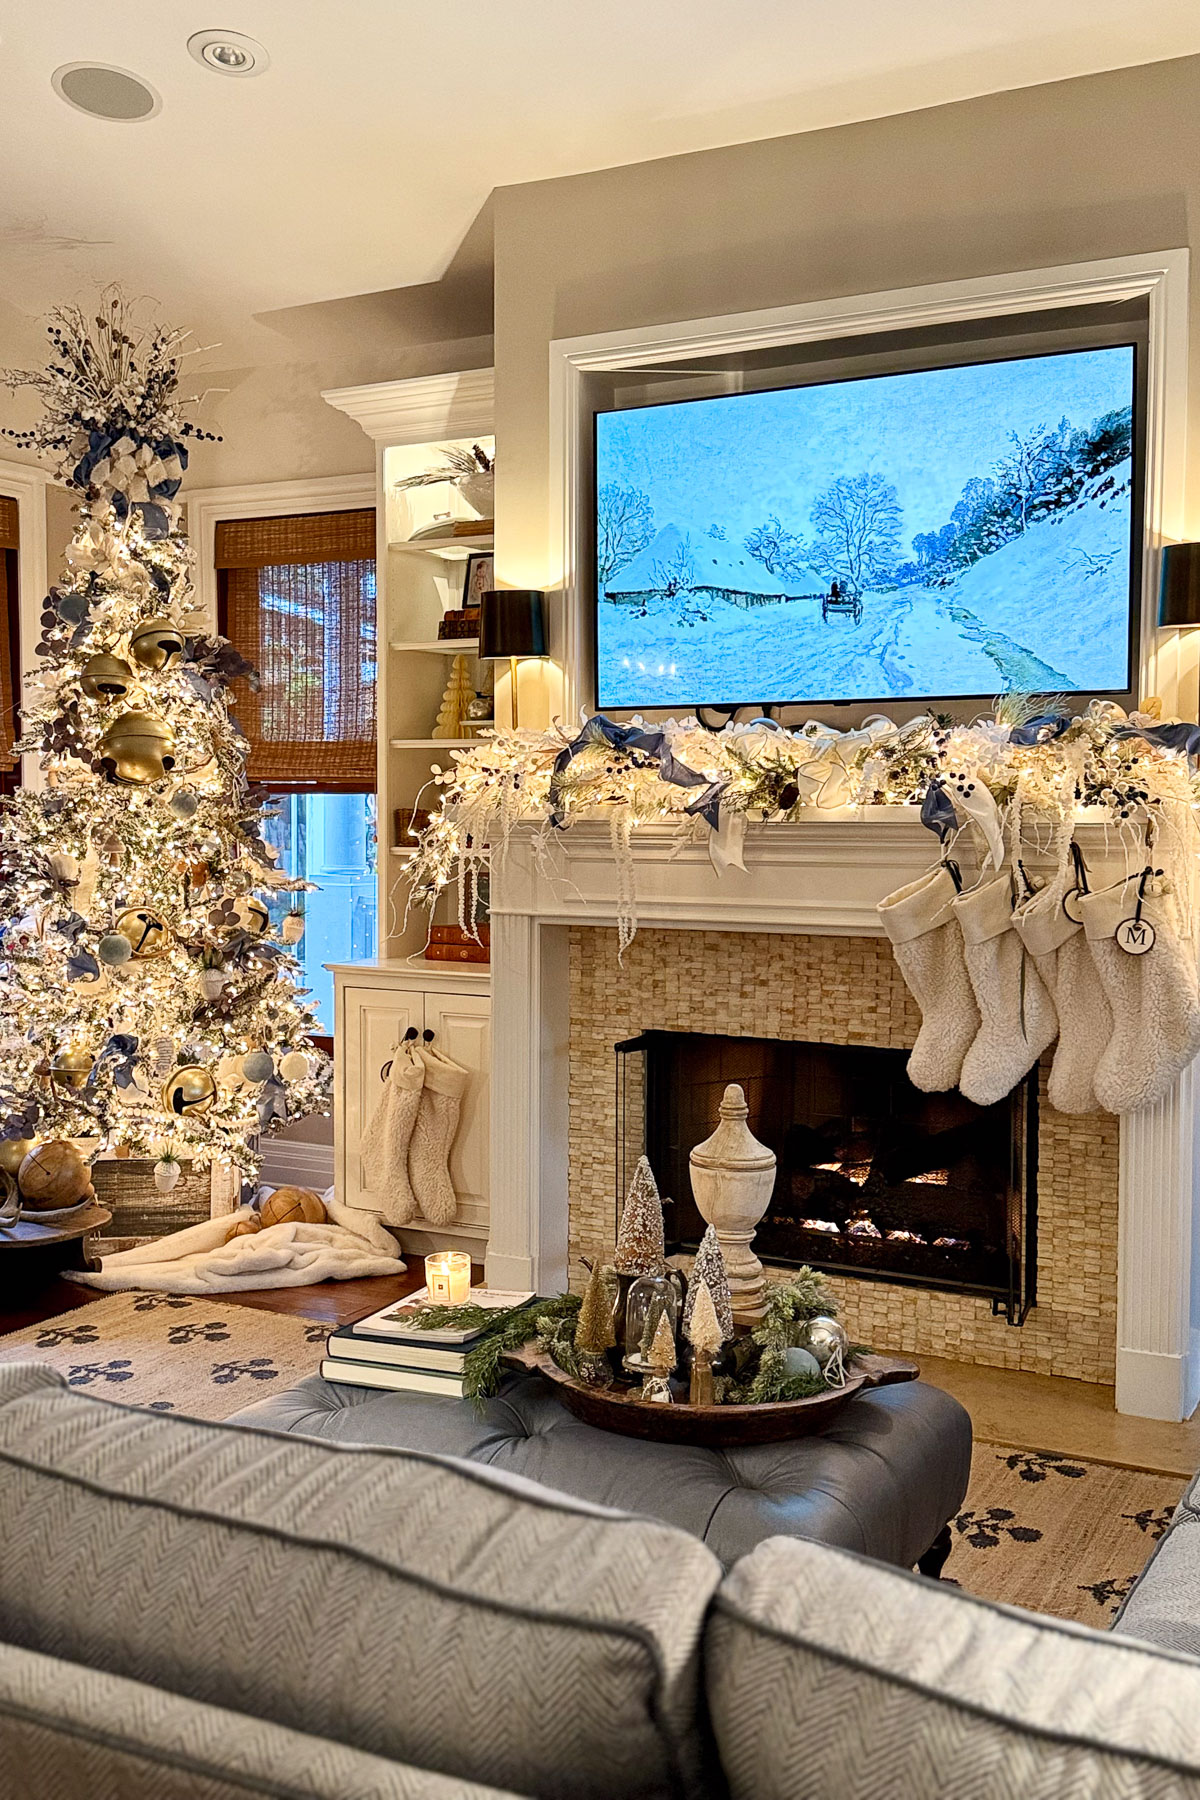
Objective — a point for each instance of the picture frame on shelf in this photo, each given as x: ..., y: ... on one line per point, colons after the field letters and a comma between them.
x: 478, y: 578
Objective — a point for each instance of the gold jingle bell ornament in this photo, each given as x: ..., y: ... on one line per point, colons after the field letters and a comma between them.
x: 156, y: 644
x: 54, y: 1175
x: 189, y: 1092
x: 13, y: 1152
x: 71, y: 1068
x: 147, y: 931
x: 252, y: 916
x: 106, y: 678
x: 139, y: 747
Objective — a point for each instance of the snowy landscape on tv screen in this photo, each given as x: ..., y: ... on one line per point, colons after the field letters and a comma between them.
x: 950, y: 531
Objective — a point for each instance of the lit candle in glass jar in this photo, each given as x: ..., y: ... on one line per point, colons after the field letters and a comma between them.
x: 448, y: 1277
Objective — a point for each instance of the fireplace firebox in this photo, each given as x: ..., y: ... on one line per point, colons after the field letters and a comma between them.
x: 875, y: 1178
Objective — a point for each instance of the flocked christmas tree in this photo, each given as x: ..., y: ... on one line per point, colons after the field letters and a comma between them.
x: 145, y: 999
x: 709, y: 1271
x: 641, y: 1248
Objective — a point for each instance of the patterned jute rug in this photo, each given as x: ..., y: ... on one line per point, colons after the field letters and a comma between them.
x: 1057, y: 1534
x: 205, y: 1358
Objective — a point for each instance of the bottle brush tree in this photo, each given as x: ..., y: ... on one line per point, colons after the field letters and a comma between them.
x: 641, y: 1247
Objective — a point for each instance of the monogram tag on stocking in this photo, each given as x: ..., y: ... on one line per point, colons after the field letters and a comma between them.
x: 1135, y: 936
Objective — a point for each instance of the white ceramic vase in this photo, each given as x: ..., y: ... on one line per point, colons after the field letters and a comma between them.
x: 732, y: 1178
x: 479, y: 492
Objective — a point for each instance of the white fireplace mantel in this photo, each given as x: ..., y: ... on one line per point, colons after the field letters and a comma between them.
x: 822, y: 876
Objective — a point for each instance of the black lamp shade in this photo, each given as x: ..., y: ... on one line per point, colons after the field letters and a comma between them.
x: 1179, y: 593
x: 511, y: 623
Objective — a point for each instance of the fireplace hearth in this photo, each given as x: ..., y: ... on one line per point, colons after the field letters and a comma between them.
x: 875, y: 1179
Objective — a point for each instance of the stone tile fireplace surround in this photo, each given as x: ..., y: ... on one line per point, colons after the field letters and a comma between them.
x: 792, y: 949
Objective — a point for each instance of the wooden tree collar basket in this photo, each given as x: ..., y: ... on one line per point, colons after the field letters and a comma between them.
x: 715, y: 1427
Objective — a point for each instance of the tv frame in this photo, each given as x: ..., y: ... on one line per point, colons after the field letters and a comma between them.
x: 1136, y: 538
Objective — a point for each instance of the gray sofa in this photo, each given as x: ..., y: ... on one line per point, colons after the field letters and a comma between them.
x: 193, y: 1611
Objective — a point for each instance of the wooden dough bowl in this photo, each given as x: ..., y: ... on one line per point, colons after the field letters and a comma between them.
x: 715, y: 1427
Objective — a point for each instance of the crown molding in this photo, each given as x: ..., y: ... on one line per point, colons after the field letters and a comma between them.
x: 460, y: 404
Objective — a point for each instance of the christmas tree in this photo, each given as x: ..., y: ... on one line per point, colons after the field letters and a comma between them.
x: 595, y: 1333
x: 708, y: 1271
x: 641, y: 1248
x: 455, y: 701
x: 145, y: 999
x: 705, y: 1335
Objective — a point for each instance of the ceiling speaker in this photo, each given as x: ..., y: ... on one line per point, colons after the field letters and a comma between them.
x: 105, y: 93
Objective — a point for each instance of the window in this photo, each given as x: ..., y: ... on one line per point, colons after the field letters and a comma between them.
x: 10, y: 650
x: 297, y: 598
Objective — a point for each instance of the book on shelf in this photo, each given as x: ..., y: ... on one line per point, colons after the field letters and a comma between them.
x: 379, y: 1375
x: 395, y: 1321
x: 398, y: 1353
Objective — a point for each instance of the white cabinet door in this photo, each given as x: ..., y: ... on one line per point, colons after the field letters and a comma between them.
x: 461, y: 1024
x: 375, y: 1021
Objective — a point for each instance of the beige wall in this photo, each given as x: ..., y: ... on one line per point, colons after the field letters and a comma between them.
x: 1107, y: 165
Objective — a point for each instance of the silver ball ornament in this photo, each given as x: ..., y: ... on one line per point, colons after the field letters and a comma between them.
x: 183, y: 804
x: 825, y: 1338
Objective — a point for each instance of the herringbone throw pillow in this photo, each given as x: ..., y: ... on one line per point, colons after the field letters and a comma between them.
x: 833, y: 1678
x: 432, y: 1611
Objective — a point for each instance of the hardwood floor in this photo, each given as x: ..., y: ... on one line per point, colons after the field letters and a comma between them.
x: 1030, y: 1412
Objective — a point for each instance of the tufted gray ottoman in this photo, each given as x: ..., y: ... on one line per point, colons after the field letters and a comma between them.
x: 883, y: 1479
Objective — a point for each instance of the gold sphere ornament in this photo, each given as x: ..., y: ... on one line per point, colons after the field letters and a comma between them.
x: 148, y: 933
x: 54, y: 1175
x: 138, y: 748
x: 156, y: 644
x: 245, y: 1227
x: 294, y: 1066
x: 71, y: 1068
x: 189, y: 1092
x: 13, y: 1152
x: 252, y: 916
x: 292, y: 1206
x: 106, y: 678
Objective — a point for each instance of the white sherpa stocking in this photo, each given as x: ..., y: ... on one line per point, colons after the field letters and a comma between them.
x: 385, y: 1142
x: 433, y: 1136
x: 1064, y: 962
x: 1017, y: 1013
x: 1154, y: 997
x: 927, y: 946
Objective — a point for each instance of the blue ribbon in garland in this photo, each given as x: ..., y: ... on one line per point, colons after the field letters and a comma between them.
x: 1042, y: 730
x: 652, y: 742
x: 156, y: 519
x: 937, y: 810
x: 1183, y: 736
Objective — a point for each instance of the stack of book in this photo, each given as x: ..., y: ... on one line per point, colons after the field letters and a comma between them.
x: 384, y: 1351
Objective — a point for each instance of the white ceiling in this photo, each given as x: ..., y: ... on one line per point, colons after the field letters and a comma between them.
x: 359, y: 160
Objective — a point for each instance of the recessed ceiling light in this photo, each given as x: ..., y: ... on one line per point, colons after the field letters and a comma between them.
x: 105, y: 92
x: 228, y: 52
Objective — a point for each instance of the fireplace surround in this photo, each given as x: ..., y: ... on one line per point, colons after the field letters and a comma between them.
x: 792, y: 949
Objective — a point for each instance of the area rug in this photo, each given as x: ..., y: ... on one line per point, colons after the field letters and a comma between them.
x: 1057, y: 1534
x: 202, y: 1357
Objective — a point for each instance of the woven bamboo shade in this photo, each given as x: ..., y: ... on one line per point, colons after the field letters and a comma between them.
x: 9, y: 539
x: 299, y: 602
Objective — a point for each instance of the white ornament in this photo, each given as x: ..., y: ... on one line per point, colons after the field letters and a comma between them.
x: 229, y: 1074
x: 212, y: 981
x: 294, y: 1066
x: 164, y: 1057
x: 64, y: 867
x: 166, y: 1174
x: 732, y: 1179
x: 292, y: 929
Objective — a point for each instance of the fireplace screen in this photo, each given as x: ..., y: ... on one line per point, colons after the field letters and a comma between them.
x: 874, y: 1178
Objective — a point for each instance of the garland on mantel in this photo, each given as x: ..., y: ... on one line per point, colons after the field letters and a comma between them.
x: 1032, y: 758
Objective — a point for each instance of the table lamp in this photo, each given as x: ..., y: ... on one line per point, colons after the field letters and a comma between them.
x: 1179, y: 590
x: 512, y: 624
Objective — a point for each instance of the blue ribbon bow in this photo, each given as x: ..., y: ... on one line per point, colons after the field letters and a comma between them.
x: 937, y: 810
x: 1183, y: 736
x: 1042, y: 730
x: 652, y: 743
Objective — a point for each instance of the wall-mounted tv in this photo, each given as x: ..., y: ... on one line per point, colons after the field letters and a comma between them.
x: 938, y: 533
